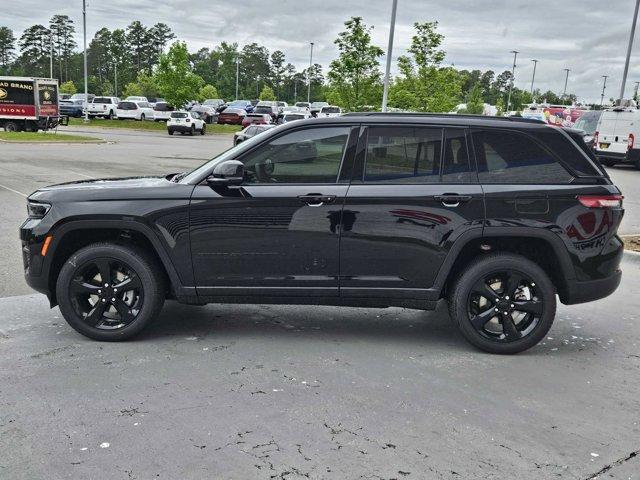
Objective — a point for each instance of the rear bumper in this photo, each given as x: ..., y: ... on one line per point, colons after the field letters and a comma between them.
x: 582, y: 292
x: 631, y: 156
x: 179, y: 128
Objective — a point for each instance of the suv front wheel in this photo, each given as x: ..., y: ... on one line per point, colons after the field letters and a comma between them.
x: 503, y: 303
x: 109, y: 291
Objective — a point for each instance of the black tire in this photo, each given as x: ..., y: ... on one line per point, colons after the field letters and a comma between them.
x: 142, y: 117
x: 170, y: 132
x: 530, y: 327
x: 608, y: 163
x: 109, y: 116
x: 193, y: 130
x: 203, y: 130
x: 147, y: 296
x: 11, y: 127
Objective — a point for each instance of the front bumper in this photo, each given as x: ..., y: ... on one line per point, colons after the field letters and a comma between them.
x: 32, y: 260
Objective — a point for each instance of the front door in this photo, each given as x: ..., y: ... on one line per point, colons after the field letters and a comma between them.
x: 278, y: 234
x: 413, y: 194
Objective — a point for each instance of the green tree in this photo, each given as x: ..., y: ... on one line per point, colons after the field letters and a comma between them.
x: 62, y: 31
x: 132, y: 89
x: 68, y: 87
x: 7, y: 47
x: 34, y: 50
x: 354, y: 77
x: 267, y: 93
x: 423, y: 85
x: 207, y: 92
x: 174, y: 77
x: 277, y: 68
x: 99, y: 56
x: 139, y: 42
x: 475, y: 102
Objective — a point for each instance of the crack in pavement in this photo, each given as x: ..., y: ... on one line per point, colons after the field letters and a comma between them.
x: 618, y: 462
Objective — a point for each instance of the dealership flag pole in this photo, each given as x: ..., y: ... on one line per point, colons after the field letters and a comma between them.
x: 86, y: 87
x: 626, y: 65
x: 533, y: 78
x: 566, y: 80
x: 385, y: 94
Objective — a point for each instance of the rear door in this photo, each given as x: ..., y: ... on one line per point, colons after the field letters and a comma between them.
x: 413, y: 194
x: 616, y: 126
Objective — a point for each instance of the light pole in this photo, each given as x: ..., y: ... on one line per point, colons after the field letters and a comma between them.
x: 50, y: 54
x: 309, y: 74
x: 115, y: 74
x: 566, y: 80
x: 258, y: 87
x: 513, y: 74
x: 237, y: 75
x: 635, y: 92
x: 533, y: 78
x: 295, y: 90
x: 604, y: 86
x: 385, y: 94
x: 84, y: 35
x: 626, y: 64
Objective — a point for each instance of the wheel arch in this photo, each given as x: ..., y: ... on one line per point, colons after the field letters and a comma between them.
x: 543, y: 247
x: 70, y: 237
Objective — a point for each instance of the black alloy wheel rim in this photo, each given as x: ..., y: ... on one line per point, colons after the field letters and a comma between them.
x: 106, y: 293
x: 505, y: 306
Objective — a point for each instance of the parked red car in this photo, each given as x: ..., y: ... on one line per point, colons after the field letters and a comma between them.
x: 256, y: 119
x: 232, y: 116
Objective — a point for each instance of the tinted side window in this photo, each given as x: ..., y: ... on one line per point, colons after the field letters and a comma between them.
x: 455, y: 165
x: 403, y: 155
x: 505, y: 156
x: 312, y: 155
x: 567, y: 152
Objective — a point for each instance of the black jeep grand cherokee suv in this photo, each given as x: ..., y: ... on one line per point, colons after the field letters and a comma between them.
x: 371, y: 210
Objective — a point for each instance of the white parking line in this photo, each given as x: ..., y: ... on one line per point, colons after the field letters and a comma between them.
x: 14, y: 191
x: 81, y: 174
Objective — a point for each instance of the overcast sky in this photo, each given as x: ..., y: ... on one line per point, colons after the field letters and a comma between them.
x: 588, y: 36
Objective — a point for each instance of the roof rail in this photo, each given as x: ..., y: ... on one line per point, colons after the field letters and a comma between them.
x: 441, y: 115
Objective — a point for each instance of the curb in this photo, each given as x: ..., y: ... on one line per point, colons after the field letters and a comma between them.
x: 630, y: 256
x: 82, y: 142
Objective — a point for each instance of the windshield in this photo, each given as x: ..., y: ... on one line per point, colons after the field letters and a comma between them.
x: 330, y: 110
x: 178, y: 115
x: 230, y: 154
x: 263, y: 109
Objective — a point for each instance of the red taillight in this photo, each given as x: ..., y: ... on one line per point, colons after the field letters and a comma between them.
x: 601, y: 201
x: 630, y: 141
x: 595, y: 138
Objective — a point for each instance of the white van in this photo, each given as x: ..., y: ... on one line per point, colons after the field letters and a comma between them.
x: 617, y: 137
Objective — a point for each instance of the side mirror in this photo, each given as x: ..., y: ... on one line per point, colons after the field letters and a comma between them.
x: 229, y: 173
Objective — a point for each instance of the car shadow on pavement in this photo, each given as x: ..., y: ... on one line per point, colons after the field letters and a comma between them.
x: 231, y: 322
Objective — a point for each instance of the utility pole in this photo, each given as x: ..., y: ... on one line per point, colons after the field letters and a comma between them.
x: 513, y: 74
x: 385, y: 94
x: 237, y: 75
x: 258, y: 87
x: 309, y: 74
x: 566, y: 80
x: 635, y: 92
x: 50, y: 54
x: 604, y: 86
x: 86, y: 86
x: 533, y: 78
x: 115, y: 74
x: 626, y: 64
x: 295, y: 90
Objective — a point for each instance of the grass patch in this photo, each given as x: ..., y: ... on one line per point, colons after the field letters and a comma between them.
x: 146, y: 125
x: 632, y: 242
x: 46, y: 137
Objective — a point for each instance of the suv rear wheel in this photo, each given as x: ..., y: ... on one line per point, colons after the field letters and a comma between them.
x: 503, y: 303
x: 110, y: 292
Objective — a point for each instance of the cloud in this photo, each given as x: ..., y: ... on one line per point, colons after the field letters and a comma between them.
x: 582, y: 35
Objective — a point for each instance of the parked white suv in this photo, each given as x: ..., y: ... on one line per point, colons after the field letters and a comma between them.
x: 134, y: 111
x: 330, y: 111
x: 186, y: 122
x: 133, y: 98
x: 103, y: 107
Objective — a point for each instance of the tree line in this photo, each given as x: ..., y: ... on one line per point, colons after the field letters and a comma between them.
x: 137, y: 61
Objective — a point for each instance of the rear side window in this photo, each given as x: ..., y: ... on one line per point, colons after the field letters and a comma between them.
x: 506, y: 156
x: 403, y: 155
x: 455, y: 165
x: 568, y: 153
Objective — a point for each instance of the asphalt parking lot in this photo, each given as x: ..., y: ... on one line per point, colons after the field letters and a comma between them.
x: 244, y: 392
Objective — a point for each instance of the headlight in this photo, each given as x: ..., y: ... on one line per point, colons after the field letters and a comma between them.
x: 37, y: 209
